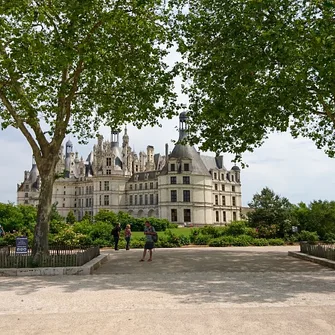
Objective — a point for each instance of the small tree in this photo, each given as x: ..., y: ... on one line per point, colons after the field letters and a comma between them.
x: 70, y: 218
x: 271, y: 213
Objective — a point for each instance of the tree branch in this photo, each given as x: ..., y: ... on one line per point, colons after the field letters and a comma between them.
x: 21, y: 126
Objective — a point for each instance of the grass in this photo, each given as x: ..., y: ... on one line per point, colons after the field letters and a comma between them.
x: 176, y: 231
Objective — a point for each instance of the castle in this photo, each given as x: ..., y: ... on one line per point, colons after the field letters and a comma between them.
x: 182, y: 186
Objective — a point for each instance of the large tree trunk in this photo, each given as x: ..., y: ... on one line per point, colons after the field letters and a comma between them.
x: 41, y: 242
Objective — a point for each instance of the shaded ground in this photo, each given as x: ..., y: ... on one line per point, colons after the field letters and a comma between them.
x: 183, y: 291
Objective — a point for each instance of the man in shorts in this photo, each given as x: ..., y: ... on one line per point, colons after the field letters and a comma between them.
x: 149, y: 230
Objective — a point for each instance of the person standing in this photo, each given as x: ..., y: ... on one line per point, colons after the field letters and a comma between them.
x: 149, y: 231
x: 127, y: 235
x: 116, y: 235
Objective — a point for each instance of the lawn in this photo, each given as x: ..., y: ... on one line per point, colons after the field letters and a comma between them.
x: 176, y: 231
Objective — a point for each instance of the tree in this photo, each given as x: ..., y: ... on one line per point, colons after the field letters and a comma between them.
x: 318, y: 216
x: 69, y: 66
x: 271, y: 213
x: 70, y: 218
x: 258, y: 66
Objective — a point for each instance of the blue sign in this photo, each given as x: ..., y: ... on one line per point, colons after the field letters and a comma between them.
x: 21, y: 245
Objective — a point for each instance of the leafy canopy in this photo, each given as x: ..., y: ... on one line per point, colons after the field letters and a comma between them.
x: 258, y: 66
x: 69, y: 66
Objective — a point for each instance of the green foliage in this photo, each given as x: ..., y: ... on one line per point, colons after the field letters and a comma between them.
x: 309, y: 236
x: 18, y: 218
x: 71, y: 219
x: 106, y: 216
x: 330, y: 238
x: 276, y: 241
x: 257, y: 66
x: 271, y: 215
x: 237, y: 228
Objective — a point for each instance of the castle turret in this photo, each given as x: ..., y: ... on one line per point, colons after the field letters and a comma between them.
x: 68, y: 153
x: 183, y: 126
x: 150, y: 165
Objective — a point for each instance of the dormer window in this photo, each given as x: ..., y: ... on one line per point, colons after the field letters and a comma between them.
x: 172, y: 167
x: 108, y: 161
x: 186, y: 167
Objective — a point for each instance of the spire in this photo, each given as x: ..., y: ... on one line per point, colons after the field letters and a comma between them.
x: 125, y: 139
x: 183, y: 126
x: 114, y: 138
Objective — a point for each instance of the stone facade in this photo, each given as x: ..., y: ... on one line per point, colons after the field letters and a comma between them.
x: 182, y: 186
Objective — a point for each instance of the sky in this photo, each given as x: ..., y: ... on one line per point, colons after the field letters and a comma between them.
x: 293, y: 168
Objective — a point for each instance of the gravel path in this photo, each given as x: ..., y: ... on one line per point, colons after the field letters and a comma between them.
x: 183, y: 291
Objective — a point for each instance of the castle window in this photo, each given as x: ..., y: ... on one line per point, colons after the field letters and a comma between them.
x: 130, y: 200
x: 187, y: 215
x: 106, y: 200
x: 63, y: 205
x: 173, y: 180
x: 223, y: 201
x: 87, y: 203
x: 157, y: 199
x: 26, y: 202
x: 146, y: 199
x: 186, y: 179
x: 234, y: 201
x: 232, y: 178
x: 100, y: 200
x: 156, y: 184
x: 108, y: 161
x: 146, y: 186
x: 151, y: 199
x: 216, y: 199
x: 151, y: 186
x: 106, y: 186
x: 234, y: 216
x: 131, y: 186
x: 222, y: 176
x: 173, y: 196
x: 215, y: 175
x: 108, y: 172
x: 141, y: 199
x: 86, y: 189
x: 217, y: 216
x: 224, y: 216
x: 135, y: 187
x: 233, y: 188
x: 141, y: 186
x: 172, y: 167
x: 64, y: 192
x: 216, y: 187
x: 186, y: 167
x: 173, y: 215
x: 27, y: 187
x: 26, y: 195
x: 223, y: 187
x: 186, y: 195
x: 100, y: 186
x: 135, y: 199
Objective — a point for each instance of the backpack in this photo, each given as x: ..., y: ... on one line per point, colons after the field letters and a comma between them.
x: 155, y: 237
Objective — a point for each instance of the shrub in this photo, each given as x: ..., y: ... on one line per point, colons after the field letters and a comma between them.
x: 329, y: 238
x: 276, y: 241
x: 309, y: 236
x: 237, y: 228
x: 260, y: 242
x: 243, y: 240
x: 201, y: 239
x: 172, y: 225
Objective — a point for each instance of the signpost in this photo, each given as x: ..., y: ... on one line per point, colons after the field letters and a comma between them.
x: 21, y: 245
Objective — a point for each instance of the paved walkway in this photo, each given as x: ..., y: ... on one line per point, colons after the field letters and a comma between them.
x: 256, y: 290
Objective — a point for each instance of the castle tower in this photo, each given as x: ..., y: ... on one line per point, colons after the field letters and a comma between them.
x: 114, y: 138
x: 150, y: 166
x: 125, y: 149
x: 68, y: 154
x: 183, y: 126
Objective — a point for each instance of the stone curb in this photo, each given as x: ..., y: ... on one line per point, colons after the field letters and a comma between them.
x: 85, y: 269
x: 318, y: 260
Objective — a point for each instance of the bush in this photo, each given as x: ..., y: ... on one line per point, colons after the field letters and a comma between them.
x: 309, y: 236
x: 276, y: 241
x: 243, y: 241
x: 202, y: 239
x: 237, y: 228
x: 260, y: 242
x: 172, y: 225
x: 329, y: 238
